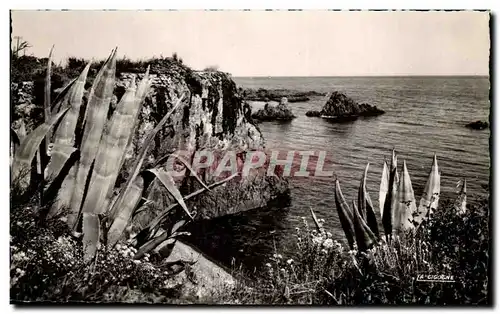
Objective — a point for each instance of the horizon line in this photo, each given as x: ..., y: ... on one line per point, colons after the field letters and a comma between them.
x: 364, y: 75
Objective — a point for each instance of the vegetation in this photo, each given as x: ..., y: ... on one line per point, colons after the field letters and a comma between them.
x: 450, y: 241
x: 68, y: 239
x: 80, y: 176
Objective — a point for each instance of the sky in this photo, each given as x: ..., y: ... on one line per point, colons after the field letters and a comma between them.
x: 271, y: 43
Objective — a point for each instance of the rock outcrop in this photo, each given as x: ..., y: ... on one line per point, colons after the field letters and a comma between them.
x: 212, y: 118
x: 478, y: 125
x: 280, y: 112
x: 263, y: 94
x: 341, y: 107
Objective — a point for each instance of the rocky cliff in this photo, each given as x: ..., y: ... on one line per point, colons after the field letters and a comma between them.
x: 212, y: 117
x: 340, y: 106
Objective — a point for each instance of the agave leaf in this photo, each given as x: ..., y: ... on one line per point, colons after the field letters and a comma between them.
x: 461, y: 202
x: 177, y: 226
x: 371, y: 217
x: 97, y: 110
x: 362, y: 193
x: 384, y: 188
x: 28, y: 148
x: 193, y: 172
x: 64, y: 136
x: 140, y: 158
x: 112, y: 148
x: 140, y: 96
x: 430, y: 197
x: 345, y: 215
x: 128, y: 206
x: 394, y: 164
x: 167, y: 180
x: 405, y: 205
x: 91, y: 234
x: 59, y: 101
x: 316, y: 222
x: 46, y: 99
x: 153, y: 225
x: 388, y: 216
x: 151, y: 245
x: 364, y: 236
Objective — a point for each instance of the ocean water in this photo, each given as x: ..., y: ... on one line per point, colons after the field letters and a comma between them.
x: 424, y: 116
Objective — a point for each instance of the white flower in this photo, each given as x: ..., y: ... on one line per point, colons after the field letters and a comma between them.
x: 279, y: 256
x: 329, y: 235
x: 290, y: 261
x: 328, y: 243
x: 268, y: 264
x: 317, y: 240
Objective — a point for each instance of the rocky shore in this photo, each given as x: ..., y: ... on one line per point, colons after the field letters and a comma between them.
x: 340, y: 107
x: 281, y: 112
x: 266, y: 95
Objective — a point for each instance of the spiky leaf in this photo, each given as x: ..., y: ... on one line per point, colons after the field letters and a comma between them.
x: 129, y: 204
x: 365, y: 238
x: 371, y: 217
x: 430, y: 197
x: 191, y: 170
x: 28, y: 148
x: 384, y: 188
x: 388, y: 216
x: 404, y: 205
x: 97, y: 111
x: 140, y: 158
x: 91, y: 234
x: 112, y: 148
x: 155, y: 223
x: 345, y: 214
x: 64, y: 136
x: 316, y: 221
x: 362, y: 193
x: 167, y: 180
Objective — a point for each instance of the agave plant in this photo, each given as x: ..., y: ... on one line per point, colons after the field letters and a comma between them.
x: 356, y: 227
x: 430, y: 197
x: 87, y: 183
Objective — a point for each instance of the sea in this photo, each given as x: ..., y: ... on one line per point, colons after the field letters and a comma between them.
x: 424, y: 116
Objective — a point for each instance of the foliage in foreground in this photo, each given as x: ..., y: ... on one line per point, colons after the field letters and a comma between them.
x: 47, y: 265
x: 326, y: 272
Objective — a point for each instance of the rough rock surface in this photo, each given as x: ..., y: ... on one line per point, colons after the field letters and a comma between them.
x: 212, y: 118
x: 341, y: 107
x: 478, y: 125
x: 271, y: 113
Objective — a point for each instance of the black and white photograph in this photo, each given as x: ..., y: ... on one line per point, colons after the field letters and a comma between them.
x: 336, y: 158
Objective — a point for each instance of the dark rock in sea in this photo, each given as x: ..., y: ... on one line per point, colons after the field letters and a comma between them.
x: 313, y: 113
x: 340, y: 107
x: 280, y: 112
x: 478, y: 125
x: 262, y: 94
